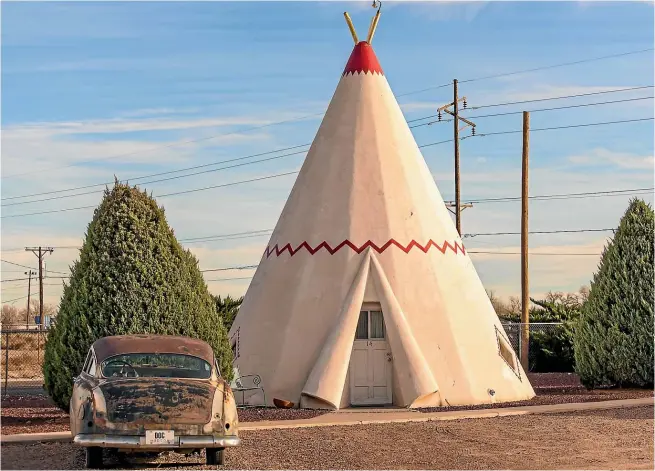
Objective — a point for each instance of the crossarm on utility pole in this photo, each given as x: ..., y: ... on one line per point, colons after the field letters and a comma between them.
x: 470, y: 123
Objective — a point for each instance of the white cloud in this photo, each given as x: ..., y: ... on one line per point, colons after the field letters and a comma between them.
x: 157, y: 112
x: 418, y: 105
x: 624, y: 160
x: 106, y: 126
x: 563, y: 270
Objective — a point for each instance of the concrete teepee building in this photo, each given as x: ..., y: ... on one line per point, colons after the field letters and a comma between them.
x: 365, y: 294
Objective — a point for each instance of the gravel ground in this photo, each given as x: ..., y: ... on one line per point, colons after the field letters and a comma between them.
x: 611, y: 439
x: 37, y: 413
x: 29, y: 414
x: 558, y: 396
x: 554, y: 380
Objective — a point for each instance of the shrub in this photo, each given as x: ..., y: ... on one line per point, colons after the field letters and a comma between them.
x: 132, y: 277
x: 614, y: 337
x: 551, y: 349
x: 227, y: 309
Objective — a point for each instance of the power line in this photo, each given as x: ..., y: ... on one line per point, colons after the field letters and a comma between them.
x: 51, y: 211
x: 230, y: 279
x: 582, y: 105
x: 166, y: 146
x: 14, y: 279
x: 158, y: 174
x: 300, y: 152
x: 571, y: 231
x: 267, y: 177
x: 296, y: 171
x: 525, y: 71
x: 14, y: 300
x: 563, y: 64
x: 250, y: 267
x: 161, y: 179
x: 266, y: 232
x: 564, y: 195
x: 558, y: 254
x: 533, y: 111
x: 17, y: 264
x: 570, y: 126
x: 577, y: 95
x: 243, y: 267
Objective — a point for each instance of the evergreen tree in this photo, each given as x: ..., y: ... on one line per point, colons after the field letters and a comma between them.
x: 227, y: 309
x: 613, y: 340
x: 132, y: 277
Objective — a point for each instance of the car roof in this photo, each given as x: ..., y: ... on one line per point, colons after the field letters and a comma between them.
x: 121, y: 344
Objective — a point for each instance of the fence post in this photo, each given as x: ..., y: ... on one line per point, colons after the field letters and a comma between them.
x: 520, y: 334
x: 6, y: 360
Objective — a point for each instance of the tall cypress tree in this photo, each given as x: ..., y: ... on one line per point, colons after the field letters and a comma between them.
x: 132, y: 277
x: 227, y: 308
x: 613, y: 341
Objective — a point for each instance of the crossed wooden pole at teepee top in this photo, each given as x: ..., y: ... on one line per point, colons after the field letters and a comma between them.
x: 371, y: 28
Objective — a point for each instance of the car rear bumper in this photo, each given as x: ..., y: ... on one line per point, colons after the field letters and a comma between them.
x: 139, y: 441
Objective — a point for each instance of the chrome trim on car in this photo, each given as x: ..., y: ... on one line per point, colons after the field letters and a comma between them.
x: 139, y: 441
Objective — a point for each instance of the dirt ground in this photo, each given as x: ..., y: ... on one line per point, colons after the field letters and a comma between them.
x: 37, y: 413
x: 611, y: 439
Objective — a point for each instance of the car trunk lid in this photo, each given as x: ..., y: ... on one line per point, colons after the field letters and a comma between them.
x: 158, y: 401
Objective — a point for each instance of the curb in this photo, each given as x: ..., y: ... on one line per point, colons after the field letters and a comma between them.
x: 458, y: 415
x: 26, y: 438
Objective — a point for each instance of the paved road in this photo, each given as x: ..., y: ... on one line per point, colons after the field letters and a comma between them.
x: 22, y: 387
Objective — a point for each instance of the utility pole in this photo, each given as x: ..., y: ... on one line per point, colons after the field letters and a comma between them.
x: 40, y: 252
x: 456, y: 130
x: 29, y: 292
x: 525, y: 294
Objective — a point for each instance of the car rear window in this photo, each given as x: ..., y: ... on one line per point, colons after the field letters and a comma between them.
x: 156, y: 365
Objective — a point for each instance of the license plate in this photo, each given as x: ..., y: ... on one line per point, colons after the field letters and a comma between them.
x: 160, y: 437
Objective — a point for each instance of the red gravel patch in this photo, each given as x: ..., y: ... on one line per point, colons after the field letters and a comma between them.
x: 557, y: 396
x: 37, y: 413
x: 260, y: 414
x: 30, y: 414
x: 554, y: 380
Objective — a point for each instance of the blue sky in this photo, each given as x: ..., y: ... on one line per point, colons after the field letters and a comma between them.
x: 96, y: 89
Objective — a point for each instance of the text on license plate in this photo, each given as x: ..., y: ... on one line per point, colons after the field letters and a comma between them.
x: 160, y: 437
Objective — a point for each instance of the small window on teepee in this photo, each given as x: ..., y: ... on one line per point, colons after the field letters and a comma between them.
x: 506, y: 351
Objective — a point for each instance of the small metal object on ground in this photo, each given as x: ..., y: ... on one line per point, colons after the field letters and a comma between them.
x: 282, y: 404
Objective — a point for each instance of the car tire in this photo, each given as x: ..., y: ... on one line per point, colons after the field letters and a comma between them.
x: 215, y: 456
x: 93, y: 458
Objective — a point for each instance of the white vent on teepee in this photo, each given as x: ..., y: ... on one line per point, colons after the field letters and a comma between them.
x: 506, y: 351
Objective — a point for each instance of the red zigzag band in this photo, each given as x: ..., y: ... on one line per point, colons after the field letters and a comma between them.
x: 346, y: 243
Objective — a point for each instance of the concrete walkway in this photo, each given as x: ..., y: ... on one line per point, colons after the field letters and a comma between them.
x: 383, y: 416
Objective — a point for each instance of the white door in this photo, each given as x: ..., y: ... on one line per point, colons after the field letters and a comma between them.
x: 370, y: 362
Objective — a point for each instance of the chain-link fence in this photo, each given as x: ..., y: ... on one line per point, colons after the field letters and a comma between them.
x: 550, y: 348
x: 21, y: 360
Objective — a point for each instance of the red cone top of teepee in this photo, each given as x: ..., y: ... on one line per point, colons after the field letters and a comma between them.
x: 363, y: 60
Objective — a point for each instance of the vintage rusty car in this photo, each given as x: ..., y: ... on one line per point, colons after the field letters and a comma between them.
x: 148, y: 393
